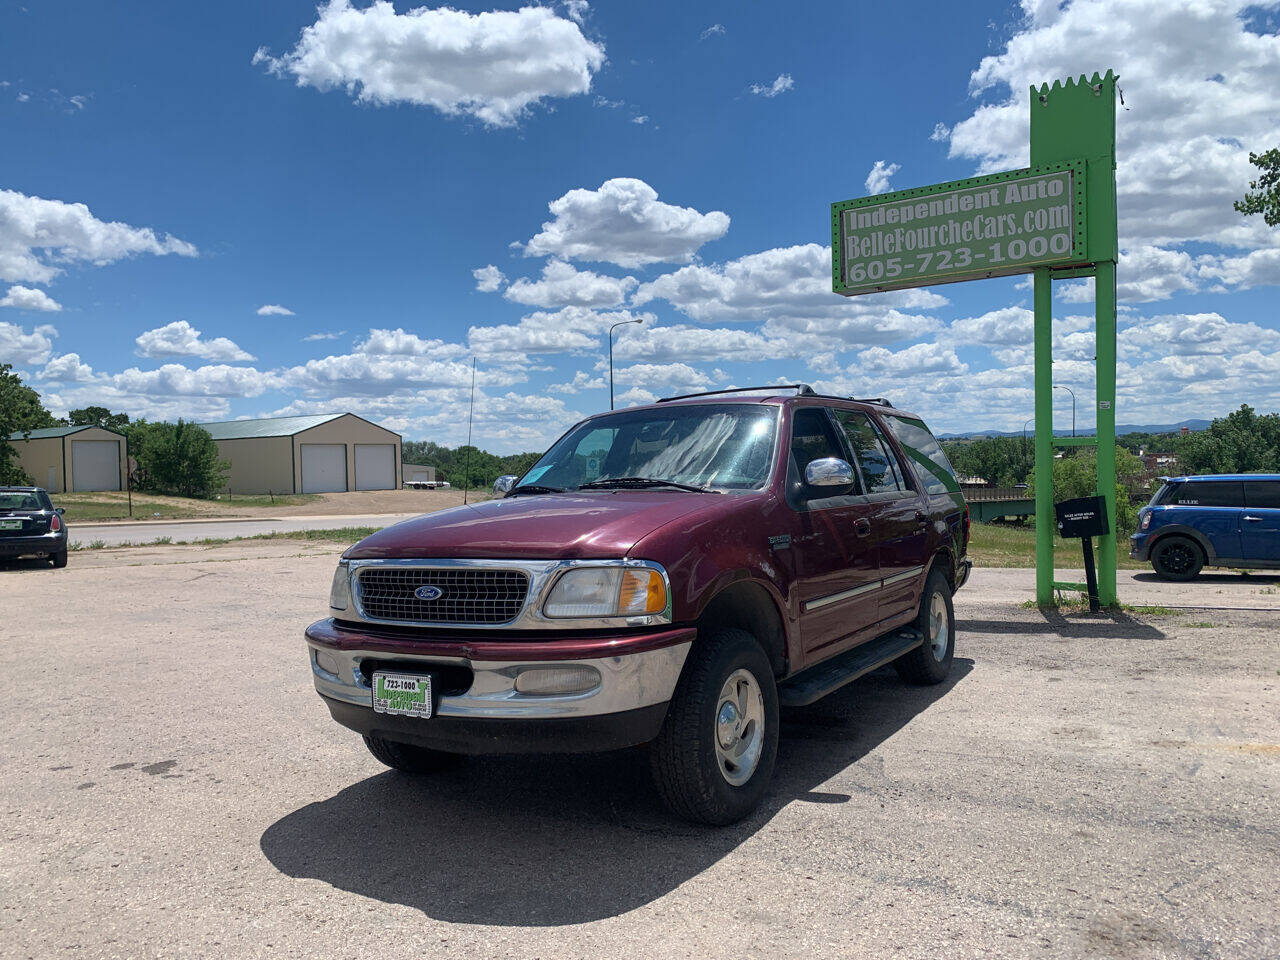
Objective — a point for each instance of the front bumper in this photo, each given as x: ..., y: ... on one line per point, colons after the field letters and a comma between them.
x: 43, y: 545
x: 479, y: 709
x: 1139, y: 547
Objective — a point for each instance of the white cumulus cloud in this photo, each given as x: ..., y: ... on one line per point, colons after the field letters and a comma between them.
x: 878, y: 179
x: 781, y: 84
x: 29, y: 298
x: 562, y: 285
x: 274, y: 310
x: 624, y: 223
x: 489, y: 279
x: 38, y: 235
x: 181, y: 339
x: 18, y: 347
x: 493, y: 65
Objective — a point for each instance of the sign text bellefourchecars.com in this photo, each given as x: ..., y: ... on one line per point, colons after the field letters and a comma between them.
x: 997, y: 227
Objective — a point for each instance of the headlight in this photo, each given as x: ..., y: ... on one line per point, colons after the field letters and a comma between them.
x: 1146, y: 521
x: 340, y: 591
x: 607, y: 592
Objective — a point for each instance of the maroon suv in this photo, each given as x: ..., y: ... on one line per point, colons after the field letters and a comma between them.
x: 665, y: 575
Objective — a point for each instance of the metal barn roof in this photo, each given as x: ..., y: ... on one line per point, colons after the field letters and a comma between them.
x: 45, y: 433
x: 266, y: 427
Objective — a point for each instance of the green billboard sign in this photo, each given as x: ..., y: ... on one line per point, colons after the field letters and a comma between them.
x: 991, y: 226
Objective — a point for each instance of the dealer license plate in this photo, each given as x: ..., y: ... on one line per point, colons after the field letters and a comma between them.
x: 405, y: 694
x: 7, y: 524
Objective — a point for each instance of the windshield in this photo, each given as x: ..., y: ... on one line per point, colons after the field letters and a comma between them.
x: 722, y: 447
x: 21, y: 500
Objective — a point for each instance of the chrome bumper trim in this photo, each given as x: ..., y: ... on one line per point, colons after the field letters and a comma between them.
x: 626, y: 683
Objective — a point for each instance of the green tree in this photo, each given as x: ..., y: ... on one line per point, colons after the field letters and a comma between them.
x: 1264, y: 195
x: 1241, y: 442
x: 178, y: 458
x: 20, y: 411
x: 1001, y: 461
x: 98, y: 417
x: 1076, y: 475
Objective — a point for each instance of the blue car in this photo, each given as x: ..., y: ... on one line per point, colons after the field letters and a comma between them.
x: 1217, y: 520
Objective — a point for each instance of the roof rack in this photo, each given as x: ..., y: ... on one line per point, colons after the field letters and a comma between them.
x: 881, y: 401
x: 801, y: 389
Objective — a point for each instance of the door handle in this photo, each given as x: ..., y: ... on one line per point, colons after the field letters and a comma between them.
x: 862, y: 526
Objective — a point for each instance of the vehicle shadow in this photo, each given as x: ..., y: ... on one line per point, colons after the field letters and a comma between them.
x: 25, y: 563
x: 1105, y: 625
x: 1261, y: 577
x: 546, y: 841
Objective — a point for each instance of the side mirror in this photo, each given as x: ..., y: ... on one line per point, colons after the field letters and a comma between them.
x: 59, y: 511
x: 502, y: 486
x: 828, y: 473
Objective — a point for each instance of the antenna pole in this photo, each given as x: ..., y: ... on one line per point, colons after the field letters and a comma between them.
x: 466, y: 483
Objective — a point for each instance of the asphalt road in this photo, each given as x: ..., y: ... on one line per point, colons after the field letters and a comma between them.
x: 113, y: 534
x: 172, y: 787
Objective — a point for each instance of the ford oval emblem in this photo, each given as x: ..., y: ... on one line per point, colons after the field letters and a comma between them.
x: 428, y: 592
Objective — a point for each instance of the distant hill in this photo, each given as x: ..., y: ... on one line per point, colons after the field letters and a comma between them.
x: 1121, y: 430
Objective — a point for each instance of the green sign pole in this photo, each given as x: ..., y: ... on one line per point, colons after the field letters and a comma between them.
x: 1077, y: 119
x: 1056, y: 220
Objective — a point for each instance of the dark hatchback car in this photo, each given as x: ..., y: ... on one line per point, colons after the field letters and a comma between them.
x: 1213, y: 520
x: 31, y: 526
x: 666, y: 575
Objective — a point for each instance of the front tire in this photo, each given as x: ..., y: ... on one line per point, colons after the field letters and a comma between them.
x: 713, y: 759
x: 930, y: 662
x: 408, y: 758
x: 1177, y: 558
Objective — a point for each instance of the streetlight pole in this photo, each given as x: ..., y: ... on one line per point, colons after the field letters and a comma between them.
x: 1059, y: 386
x: 620, y: 323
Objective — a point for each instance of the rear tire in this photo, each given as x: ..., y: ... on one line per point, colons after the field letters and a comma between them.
x: 930, y: 662
x: 1177, y: 558
x: 713, y: 759
x: 59, y: 559
x: 408, y: 758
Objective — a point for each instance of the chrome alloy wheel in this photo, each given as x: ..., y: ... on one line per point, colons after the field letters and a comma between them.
x: 939, y: 627
x: 739, y: 727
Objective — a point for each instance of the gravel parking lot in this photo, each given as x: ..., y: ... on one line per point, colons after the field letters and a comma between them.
x: 172, y: 787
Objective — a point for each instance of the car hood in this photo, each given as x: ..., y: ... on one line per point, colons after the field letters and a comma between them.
x: 564, y: 526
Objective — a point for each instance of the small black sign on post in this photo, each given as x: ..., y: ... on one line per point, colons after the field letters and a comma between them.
x: 1085, y: 518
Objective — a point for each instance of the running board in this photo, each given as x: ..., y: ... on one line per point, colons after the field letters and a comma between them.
x: 813, y: 684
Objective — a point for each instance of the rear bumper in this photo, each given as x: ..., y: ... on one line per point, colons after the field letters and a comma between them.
x: 479, y: 709
x: 42, y: 545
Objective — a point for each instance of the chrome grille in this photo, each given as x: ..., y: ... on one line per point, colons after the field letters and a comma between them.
x: 466, y: 596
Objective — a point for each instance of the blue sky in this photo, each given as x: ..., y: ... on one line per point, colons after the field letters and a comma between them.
x: 417, y: 187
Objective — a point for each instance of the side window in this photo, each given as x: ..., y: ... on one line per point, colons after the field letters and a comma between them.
x: 1263, y: 494
x: 1209, y: 493
x: 932, y: 466
x: 812, y: 437
x: 879, y: 467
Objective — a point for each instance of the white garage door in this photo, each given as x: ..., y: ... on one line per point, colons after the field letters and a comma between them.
x: 375, y: 466
x: 95, y: 464
x: 324, y: 467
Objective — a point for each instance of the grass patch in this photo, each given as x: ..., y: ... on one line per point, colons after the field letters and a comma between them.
x: 329, y: 535
x: 1009, y: 545
x: 1201, y: 625
x: 1072, y: 602
x: 114, y: 505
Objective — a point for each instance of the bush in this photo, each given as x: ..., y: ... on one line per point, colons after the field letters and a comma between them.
x: 178, y: 458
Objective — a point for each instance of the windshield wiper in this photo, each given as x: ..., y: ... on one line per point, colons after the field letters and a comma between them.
x: 642, y: 482
x: 533, y: 488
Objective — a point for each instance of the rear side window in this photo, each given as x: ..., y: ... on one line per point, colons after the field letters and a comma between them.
x: 932, y: 466
x: 1263, y: 494
x: 876, y: 460
x: 1207, y: 493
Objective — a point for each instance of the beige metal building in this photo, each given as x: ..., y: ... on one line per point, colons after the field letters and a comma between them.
x: 327, y: 453
x: 73, y: 458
